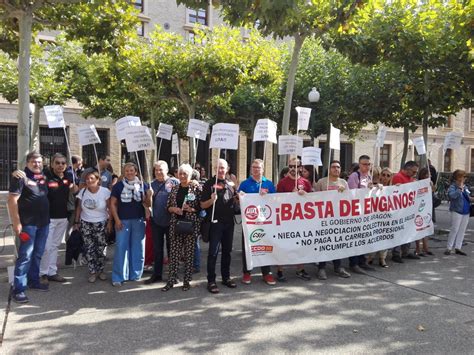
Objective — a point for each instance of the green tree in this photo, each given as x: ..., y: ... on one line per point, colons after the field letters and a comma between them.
x: 101, y: 20
x: 203, y: 75
x: 298, y: 19
x: 430, y: 43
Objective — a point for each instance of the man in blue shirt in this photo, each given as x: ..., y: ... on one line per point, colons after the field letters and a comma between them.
x: 256, y: 183
x: 160, y: 221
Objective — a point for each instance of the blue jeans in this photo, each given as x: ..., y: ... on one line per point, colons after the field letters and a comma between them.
x: 220, y: 234
x: 29, y: 257
x: 129, y: 251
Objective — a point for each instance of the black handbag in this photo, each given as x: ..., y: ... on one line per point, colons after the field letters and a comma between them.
x: 184, y: 227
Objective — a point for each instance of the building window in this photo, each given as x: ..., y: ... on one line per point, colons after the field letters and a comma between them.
x: 141, y: 29
x: 472, y: 120
x: 346, y: 156
x: 197, y: 16
x: 52, y: 141
x: 385, y: 156
x: 449, y: 123
x: 472, y: 160
x: 138, y: 4
x: 448, y: 160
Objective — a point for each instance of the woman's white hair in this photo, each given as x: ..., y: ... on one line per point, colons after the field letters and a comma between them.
x: 186, y: 168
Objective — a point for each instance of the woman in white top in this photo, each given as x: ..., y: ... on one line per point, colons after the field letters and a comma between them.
x: 92, y: 217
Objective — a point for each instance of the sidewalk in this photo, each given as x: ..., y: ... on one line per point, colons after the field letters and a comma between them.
x: 424, y: 306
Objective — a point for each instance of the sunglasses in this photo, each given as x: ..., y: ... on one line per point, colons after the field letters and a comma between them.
x: 60, y: 162
x: 294, y: 166
x: 386, y: 175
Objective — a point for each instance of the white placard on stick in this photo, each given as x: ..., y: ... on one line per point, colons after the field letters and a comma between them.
x: 88, y: 135
x: 54, y: 116
x: 138, y: 138
x: 452, y: 141
x: 311, y: 156
x: 122, y: 124
x: 265, y: 130
x: 197, y: 129
x: 175, y: 144
x: 165, y: 131
x: 335, y: 140
x: 290, y: 145
x: 225, y: 136
x: 304, y: 114
x: 382, y: 132
x: 419, y: 144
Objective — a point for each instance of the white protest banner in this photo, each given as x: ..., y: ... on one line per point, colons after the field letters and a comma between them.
x: 175, y: 144
x: 452, y: 141
x: 311, y: 156
x: 88, y: 135
x: 122, y: 124
x: 54, y: 116
x: 304, y: 114
x: 138, y: 138
x: 265, y: 130
x: 225, y: 136
x: 290, y: 145
x: 197, y: 129
x: 382, y: 132
x: 419, y: 144
x: 165, y: 131
x: 286, y: 228
x: 335, y: 140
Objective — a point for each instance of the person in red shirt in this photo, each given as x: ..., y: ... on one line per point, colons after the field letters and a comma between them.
x: 294, y: 183
x: 406, y: 175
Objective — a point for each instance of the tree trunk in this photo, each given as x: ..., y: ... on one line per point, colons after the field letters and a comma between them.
x: 327, y: 151
x: 406, y: 136
x: 25, y: 20
x: 35, y: 139
x: 426, y: 114
x: 290, y: 84
x: 192, y: 141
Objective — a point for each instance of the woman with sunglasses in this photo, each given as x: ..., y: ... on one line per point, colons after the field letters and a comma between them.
x: 92, y: 218
x: 459, y: 205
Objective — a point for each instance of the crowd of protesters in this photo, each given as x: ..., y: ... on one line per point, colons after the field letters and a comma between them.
x: 47, y: 203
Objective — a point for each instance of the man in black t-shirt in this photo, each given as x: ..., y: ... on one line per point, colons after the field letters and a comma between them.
x: 223, y: 193
x: 28, y: 207
x: 59, y: 187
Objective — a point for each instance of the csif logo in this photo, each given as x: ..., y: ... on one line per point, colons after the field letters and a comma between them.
x: 422, y: 206
x: 256, y: 235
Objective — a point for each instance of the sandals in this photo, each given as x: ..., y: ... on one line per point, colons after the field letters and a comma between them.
x: 212, y: 288
x: 186, y: 286
x: 229, y: 283
x: 169, y: 285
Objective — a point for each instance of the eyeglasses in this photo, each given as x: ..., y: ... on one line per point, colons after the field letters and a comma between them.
x: 335, y: 167
x: 386, y: 175
x: 294, y: 166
